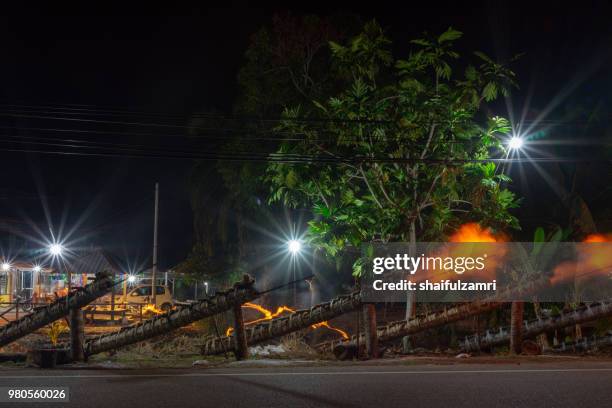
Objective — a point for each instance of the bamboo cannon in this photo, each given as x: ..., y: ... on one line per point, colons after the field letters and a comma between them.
x: 181, y: 316
x: 401, y: 328
x: 583, y: 314
x: 586, y: 344
x: 281, y: 326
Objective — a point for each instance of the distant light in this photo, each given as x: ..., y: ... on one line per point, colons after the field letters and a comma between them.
x: 515, y: 143
x: 131, y: 279
x: 56, y: 249
x: 6, y: 266
x: 294, y: 246
x: 37, y: 268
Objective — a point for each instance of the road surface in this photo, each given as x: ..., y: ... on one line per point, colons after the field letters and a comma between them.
x: 463, y: 385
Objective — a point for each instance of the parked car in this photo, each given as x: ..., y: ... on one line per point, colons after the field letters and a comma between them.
x: 141, y: 295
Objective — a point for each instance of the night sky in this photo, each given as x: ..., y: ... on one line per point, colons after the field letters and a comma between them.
x: 178, y: 62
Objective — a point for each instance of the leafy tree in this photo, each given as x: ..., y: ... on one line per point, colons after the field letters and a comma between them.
x: 286, y: 63
x: 400, y: 155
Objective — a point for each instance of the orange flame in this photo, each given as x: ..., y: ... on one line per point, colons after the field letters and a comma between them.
x: 151, y: 308
x: 598, y: 238
x: 269, y: 315
x: 591, y: 261
x: 61, y: 292
x: 344, y: 334
x: 473, y: 232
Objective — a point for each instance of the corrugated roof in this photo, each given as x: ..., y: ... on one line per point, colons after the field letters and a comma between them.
x: 92, y: 261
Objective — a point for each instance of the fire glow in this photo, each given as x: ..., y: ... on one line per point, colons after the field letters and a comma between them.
x: 591, y: 262
x: 472, y: 233
x: 151, y: 308
x: 269, y: 315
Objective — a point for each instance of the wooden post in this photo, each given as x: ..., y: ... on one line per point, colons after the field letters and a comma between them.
x: 516, y: 326
x: 371, y: 337
x: 242, y: 349
x: 77, y: 335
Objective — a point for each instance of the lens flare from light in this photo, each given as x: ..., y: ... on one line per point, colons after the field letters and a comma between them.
x: 6, y: 266
x: 56, y: 249
x: 37, y: 268
x: 294, y: 246
x: 131, y: 279
x: 515, y: 143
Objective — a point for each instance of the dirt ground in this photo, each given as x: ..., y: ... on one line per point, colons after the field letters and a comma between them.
x: 181, y: 349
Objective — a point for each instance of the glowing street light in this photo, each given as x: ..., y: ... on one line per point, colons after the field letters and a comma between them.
x: 56, y: 249
x: 37, y: 268
x: 6, y: 266
x: 131, y: 279
x: 294, y: 246
x: 515, y: 143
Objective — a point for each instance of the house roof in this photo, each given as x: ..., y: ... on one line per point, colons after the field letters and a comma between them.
x: 93, y: 260
x: 26, y: 266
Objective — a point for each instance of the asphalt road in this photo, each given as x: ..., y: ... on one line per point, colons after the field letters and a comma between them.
x: 465, y: 385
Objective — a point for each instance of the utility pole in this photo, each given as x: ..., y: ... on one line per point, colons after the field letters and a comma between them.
x: 154, y: 269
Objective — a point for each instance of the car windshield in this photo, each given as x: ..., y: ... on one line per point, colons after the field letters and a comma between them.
x: 142, y: 291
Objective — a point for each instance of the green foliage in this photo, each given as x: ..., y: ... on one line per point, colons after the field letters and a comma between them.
x: 416, y: 112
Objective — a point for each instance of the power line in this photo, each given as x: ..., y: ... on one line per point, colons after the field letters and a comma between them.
x: 246, y: 135
x: 49, y: 109
x: 38, y: 114
x: 297, y: 159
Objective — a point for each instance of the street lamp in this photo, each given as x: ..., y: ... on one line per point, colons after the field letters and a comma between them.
x: 515, y: 143
x: 37, y: 268
x: 6, y: 266
x: 294, y: 246
x: 131, y: 279
x: 56, y: 249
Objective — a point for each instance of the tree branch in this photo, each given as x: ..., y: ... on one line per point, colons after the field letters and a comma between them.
x: 381, y: 185
x: 322, y: 195
x: 365, y: 178
x: 429, y: 138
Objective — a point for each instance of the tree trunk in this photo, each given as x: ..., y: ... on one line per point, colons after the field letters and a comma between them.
x: 77, y: 335
x: 516, y: 327
x: 410, y: 295
x: 56, y: 310
x: 369, y: 327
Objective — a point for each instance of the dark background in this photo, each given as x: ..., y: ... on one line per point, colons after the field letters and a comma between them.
x: 181, y: 61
